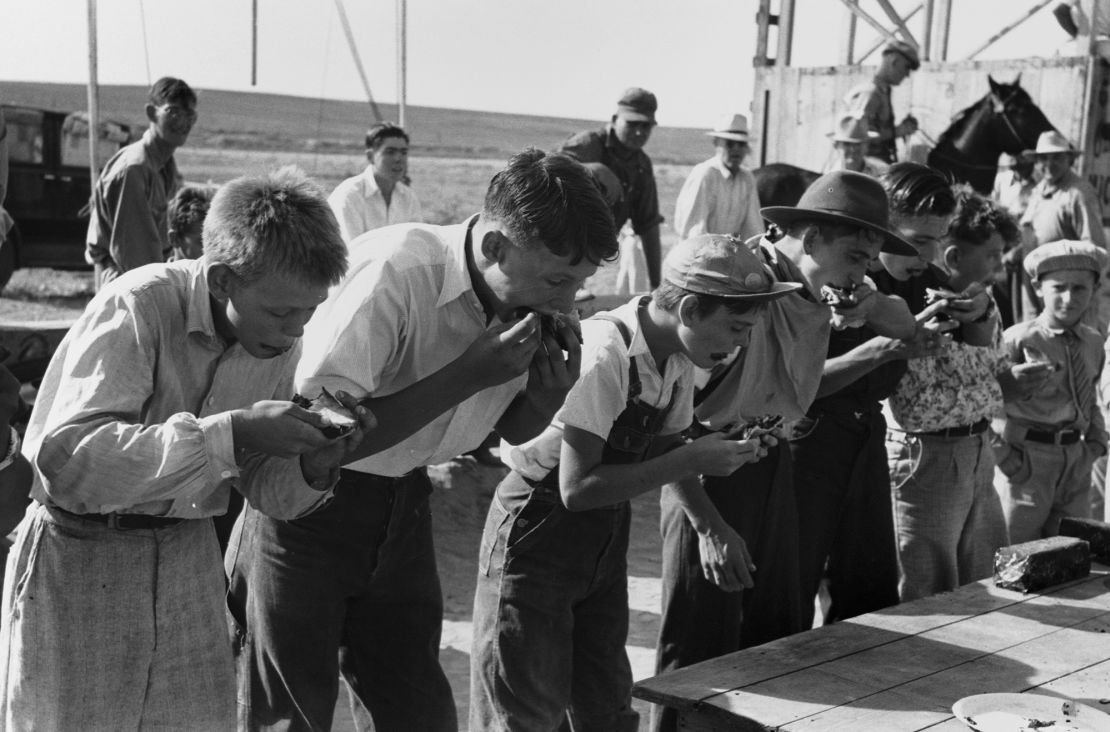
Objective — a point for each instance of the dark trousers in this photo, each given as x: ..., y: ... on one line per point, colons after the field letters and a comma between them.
x: 356, y: 581
x: 845, y: 519
x: 551, y: 616
x: 701, y: 621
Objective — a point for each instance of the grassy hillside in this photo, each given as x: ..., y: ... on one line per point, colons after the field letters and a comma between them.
x: 243, y: 120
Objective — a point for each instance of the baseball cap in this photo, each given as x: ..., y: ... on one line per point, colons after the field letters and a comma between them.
x: 722, y: 266
x: 637, y: 105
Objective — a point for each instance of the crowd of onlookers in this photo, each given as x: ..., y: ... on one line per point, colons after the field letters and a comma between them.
x: 845, y: 403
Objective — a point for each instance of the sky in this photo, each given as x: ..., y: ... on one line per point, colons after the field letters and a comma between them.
x: 561, y: 58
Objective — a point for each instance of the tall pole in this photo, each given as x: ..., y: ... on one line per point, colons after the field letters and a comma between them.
x: 93, y: 95
x: 254, y: 42
x: 402, y: 91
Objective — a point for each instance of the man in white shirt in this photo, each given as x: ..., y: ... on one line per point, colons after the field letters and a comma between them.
x: 378, y: 196
x: 719, y: 197
x: 437, y: 328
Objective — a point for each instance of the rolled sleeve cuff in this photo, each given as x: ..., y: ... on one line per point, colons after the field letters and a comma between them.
x: 219, y: 444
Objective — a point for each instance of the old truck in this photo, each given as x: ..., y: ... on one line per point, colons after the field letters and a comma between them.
x: 49, y: 186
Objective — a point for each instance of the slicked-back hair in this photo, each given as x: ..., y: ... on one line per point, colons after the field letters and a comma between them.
x: 914, y: 189
x: 188, y: 207
x: 275, y: 224
x: 550, y: 199
x: 168, y: 90
x: 668, y: 296
x: 382, y: 130
x: 977, y: 218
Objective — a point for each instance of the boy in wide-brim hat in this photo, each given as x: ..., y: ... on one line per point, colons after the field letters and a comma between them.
x: 839, y: 226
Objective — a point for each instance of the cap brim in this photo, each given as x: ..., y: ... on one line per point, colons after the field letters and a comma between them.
x: 633, y: 116
x: 836, y: 137
x: 784, y: 216
x: 737, y: 136
x: 778, y: 290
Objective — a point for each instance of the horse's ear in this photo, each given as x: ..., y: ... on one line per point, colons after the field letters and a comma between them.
x: 1017, y: 79
x: 993, y: 83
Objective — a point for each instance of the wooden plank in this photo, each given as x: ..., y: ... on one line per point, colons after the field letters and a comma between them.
x: 686, y: 687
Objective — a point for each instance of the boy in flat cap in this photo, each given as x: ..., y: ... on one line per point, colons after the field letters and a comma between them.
x: 551, y: 606
x: 871, y: 100
x: 620, y: 146
x: 1054, y: 429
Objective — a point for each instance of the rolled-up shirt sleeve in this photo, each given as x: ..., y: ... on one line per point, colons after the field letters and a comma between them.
x: 96, y: 449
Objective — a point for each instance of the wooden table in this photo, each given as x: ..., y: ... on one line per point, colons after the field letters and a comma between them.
x: 903, y: 668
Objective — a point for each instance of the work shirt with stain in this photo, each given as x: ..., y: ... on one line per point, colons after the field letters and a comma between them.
x: 128, y: 227
x: 406, y: 309
x: 134, y: 412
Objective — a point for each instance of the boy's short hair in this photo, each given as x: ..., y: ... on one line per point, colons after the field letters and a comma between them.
x: 279, y: 223
x: 189, y: 207
x: 168, y: 90
x: 913, y: 189
x: 668, y: 296
x: 382, y: 130
x: 977, y: 218
x: 551, y: 199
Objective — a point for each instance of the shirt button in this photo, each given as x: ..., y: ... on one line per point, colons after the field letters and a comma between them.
x: 225, y: 474
x: 522, y: 523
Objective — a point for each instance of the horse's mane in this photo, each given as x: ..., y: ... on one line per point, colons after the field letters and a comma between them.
x: 956, y: 126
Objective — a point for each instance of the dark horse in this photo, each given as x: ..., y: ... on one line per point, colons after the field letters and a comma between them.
x: 1005, y: 120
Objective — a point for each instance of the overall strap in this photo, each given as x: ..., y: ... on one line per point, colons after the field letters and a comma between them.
x: 634, y: 384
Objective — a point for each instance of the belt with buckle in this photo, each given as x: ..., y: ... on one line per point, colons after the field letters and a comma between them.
x: 125, y: 521
x: 965, y: 430
x: 1063, y: 437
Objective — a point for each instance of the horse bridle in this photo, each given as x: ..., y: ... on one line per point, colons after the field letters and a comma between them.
x: 999, y: 105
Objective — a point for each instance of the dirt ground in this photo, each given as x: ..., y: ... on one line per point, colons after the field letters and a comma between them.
x: 464, y: 488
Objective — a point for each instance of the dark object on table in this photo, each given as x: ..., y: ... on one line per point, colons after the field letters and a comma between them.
x: 1096, y: 533
x: 1035, y: 565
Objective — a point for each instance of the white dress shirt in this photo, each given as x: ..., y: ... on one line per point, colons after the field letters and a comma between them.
x: 359, y: 205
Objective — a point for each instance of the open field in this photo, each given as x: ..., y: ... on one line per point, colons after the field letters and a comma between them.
x: 450, y: 189
x: 277, y: 122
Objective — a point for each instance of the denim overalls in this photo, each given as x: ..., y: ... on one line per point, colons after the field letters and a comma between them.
x: 551, y: 606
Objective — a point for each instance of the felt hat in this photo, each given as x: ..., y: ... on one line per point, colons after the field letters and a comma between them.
x: 904, y: 49
x: 844, y: 197
x: 1064, y: 254
x: 731, y: 127
x: 637, y: 105
x: 1051, y: 142
x: 852, y: 128
x: 722, y: 266
x: 607, y: 181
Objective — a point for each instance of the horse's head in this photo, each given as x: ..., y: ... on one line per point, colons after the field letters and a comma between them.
x: 1017, y: 121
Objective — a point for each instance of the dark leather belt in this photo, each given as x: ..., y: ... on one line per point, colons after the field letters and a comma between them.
x: 125, y: 521
x: 1063, y: 437
x: 965, y: 430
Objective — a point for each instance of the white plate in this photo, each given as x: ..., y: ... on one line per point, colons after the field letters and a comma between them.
x: 1029, y: 713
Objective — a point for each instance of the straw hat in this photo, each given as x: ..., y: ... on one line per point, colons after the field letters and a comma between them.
x: 1051, y: 142
x: 731, y: 127
x: 852, y: 128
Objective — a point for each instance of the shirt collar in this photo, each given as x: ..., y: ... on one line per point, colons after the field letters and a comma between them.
x: 614, y: 145
x: 724, y: 169
x: 198, y: 303
x: 1049, y: 187
x: 456, y: 276
x: 1042, y: 322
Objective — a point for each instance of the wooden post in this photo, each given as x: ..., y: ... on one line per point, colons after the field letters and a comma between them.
x: 402, y: 31
x: 786, y: 33
x: 853, y: 6
x: 927, y: 43
x: 848, y: 46
x: 254, y: 42
x: 882, y: 41
x: 763, y: 25
x: 942, y: 20
x: 93, y: 96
